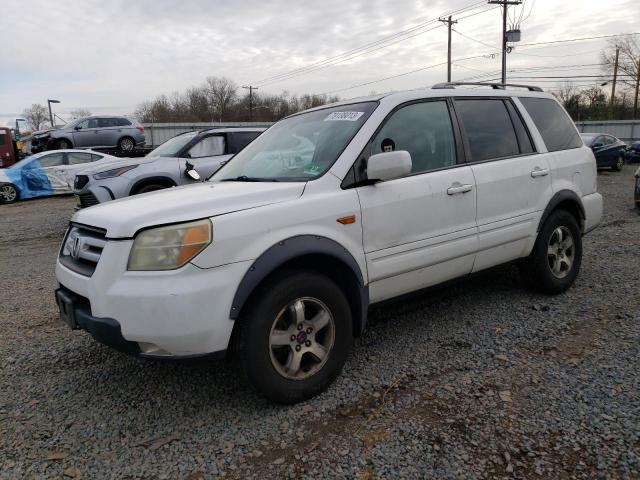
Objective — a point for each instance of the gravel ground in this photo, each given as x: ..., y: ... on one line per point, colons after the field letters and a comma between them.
x: 484, y: 379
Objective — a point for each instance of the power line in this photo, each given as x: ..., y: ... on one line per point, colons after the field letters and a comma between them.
x: 359, y: 50
x: 579, y: 39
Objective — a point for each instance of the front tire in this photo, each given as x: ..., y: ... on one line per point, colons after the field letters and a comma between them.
x: 8, y: 193
x: 150, y: 188
x: 63, y: 144
x: 295, y: 336
x: 555, y: 260
x: 619, y: 164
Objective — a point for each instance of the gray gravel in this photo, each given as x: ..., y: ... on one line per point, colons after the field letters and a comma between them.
x: 484, y: 379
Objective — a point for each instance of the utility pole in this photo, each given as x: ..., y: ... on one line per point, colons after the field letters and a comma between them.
x: 635, y: 101
x: 505, y: 5
x: 449, y: 23
x: 251, y: 88
x: 615, y: 78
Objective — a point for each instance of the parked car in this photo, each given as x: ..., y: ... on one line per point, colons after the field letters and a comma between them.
x: 608, y: 150
x: 41, y: 140
x: 97, y: 132
x: 633, y: 152
x: 636, y: 190
x: 278, y: 257
x: 46, y: 173
x: 184, y: 159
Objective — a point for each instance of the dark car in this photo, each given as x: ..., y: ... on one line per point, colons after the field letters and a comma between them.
x: 633, y: 152
x: 608, y: 150
x: 40, y: 140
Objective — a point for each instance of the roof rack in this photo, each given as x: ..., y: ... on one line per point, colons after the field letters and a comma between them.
x: 495, y: 86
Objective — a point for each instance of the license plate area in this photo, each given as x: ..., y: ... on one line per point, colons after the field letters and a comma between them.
x: 67, y: 309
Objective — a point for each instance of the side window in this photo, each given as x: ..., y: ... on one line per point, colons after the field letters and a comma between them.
x: 2, y: 138
x: 242, y: 139
x: 75, y: 158
x: 94, y: 122
x: 488, y: 128
x: 51, y: 160
x: 609, y: 140
x: 122, y: 122
x: 555, y: 126
x: 422, y: 129
x: 524, y: 139
x: 84, y: 124
x: 95, y: 157
x: 208, y: 147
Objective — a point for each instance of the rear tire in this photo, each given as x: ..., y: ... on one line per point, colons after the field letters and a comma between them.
x: 126, y: 145
x: 295, y: 336
x: 619, y: 164
x: 8, y: 193
x: 555, y: 260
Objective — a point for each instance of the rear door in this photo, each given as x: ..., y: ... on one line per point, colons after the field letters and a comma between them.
x: 75, y: 162
x: 513, y: 182
x: 108, y: 131
x: 419, y: 230
x: 207, y: 156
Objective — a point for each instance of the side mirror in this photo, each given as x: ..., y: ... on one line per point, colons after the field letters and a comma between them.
x: 388, y: 165
x: 192, y: 172
x: 77, y: 127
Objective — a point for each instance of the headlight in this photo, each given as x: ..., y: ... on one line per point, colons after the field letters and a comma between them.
x: 116, y: 172
x: 168, y: 248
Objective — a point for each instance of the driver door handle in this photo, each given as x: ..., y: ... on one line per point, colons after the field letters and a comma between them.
x: 458, y: 188
x: 539, y: 172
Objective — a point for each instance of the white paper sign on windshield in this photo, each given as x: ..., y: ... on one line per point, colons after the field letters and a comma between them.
x: 348, y: 116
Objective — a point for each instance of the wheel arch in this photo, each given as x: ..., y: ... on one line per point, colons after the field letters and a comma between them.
x: 565, y: 200
x: 158, y: 179
x: 312, y: 252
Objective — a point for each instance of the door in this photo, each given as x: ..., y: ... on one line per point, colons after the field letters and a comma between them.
x: 207, y: 156
x: 44, y: 176
x: 75, y: 162
x: 86, y: 134
x: 513, y: 182
x: 109, y: 132
x: 419, y: 230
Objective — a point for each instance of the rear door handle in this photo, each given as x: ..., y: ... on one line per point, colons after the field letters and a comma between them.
x: 539, y: 172
x: 457, y: 188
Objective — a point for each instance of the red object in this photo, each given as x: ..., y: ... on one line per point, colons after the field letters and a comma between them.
x: 7, y: 151
x: 141, y: 128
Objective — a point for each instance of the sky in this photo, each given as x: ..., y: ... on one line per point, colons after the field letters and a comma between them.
x: 109, y: 56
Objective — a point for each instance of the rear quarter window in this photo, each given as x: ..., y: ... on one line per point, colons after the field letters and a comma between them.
x: 556, y: 128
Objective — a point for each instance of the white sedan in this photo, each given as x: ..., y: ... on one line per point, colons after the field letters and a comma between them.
x: 47, y: 173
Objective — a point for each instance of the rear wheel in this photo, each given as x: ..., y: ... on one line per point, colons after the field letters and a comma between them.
x: 295, y: 336
x: 126, y: 145
x: 8, y: 193
x: 555, y: 261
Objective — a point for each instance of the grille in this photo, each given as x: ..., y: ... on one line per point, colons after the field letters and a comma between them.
x: 87, y: 199
x: 80, y: 181
x: 81, y: 249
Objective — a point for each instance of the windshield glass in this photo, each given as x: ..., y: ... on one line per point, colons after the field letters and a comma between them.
x: 171, y: 147
x: 298, y: 148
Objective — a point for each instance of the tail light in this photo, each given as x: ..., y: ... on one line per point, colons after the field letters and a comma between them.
x: 140, y: 128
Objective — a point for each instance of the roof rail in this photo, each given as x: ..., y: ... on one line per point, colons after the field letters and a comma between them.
x: 495, y: 86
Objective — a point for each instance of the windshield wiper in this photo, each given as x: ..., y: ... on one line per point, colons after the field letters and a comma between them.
x: 244, y: 178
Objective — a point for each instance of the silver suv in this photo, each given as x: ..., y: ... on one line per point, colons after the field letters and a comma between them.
x: 98, y: 132
x: 184, y: 159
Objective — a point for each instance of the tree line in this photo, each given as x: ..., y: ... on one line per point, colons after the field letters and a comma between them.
x: 219, y: 99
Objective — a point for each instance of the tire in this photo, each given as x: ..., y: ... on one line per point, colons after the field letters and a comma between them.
x: 554, y: 273
x: 619, y: 164
x: 126, y: 144
x: 9, y: 193
x: 268, y: 365
x: 63, y: 144
x: 152, y: 187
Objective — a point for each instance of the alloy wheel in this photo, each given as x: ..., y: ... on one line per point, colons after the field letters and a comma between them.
x: 301, y: 338
x: 8, y: 193
x: 126, y: 144
x: 561, y: 252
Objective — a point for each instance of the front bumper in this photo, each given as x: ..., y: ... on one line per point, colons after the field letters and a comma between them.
x: 177, y: 313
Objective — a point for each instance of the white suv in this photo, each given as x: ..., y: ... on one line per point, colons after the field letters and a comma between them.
x: 279, y: 256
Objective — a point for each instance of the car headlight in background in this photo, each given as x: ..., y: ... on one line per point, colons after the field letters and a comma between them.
x: 170, y: 247
x: 116, y: 172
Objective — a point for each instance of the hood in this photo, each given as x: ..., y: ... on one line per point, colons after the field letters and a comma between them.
x: 124, y: 217
x: 102, y: 165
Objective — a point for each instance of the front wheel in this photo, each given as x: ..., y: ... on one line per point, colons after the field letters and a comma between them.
x: 63, y: 144
x: 295, y: 336
x: 619, y: 164
x: 555, y: 260
x: 8, y: 193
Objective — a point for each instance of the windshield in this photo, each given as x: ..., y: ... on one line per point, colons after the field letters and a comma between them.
x: 298, y: 148
x: 171, y: 147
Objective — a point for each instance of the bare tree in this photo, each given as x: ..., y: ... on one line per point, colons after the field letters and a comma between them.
x: 571, y: 99
x: 36, y: 115
x: 223, y: 92
x: 628, y: 64
x: 79, y: 113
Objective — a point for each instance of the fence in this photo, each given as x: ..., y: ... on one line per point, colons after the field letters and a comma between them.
x: 157, y: 133
x: 626, y: 130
